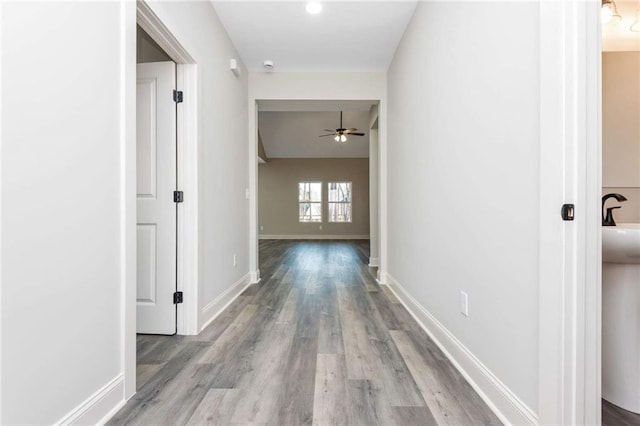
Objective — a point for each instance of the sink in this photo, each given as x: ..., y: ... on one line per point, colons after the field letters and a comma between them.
x: 621, y: 315
x: 621, y: 243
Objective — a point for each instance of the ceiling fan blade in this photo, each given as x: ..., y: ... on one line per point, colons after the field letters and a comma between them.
x: 351, y: 129
x: 355, y: 134
x: 322, y: 136
x: 329, y: 130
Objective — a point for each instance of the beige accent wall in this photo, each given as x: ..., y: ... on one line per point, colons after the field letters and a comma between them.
x: 621, y: 131
x: 147, y: 50
x: 278, y: 195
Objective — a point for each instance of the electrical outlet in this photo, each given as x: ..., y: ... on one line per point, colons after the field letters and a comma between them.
x: 320, y: 227
x: 464, y: 303
x: 246, y: 193
x: 261, y: 228
x: 235, y: 260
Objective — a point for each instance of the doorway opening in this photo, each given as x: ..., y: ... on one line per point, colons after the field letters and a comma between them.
x: 620, y: 147
x: 159, y: 43
x: 317, y: 175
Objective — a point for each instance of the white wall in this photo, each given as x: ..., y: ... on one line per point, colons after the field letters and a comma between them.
x: 61, y: 283
x: 463, y: 185
x: 223, y: 169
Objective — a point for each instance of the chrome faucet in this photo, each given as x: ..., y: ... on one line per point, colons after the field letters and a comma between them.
x: 608, y: 219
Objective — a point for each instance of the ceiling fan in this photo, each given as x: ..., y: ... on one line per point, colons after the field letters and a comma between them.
x: 340, y: 134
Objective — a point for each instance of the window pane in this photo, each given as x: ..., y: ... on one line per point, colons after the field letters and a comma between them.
x: 310, y: 212
x: 310, y: 191
x: 339, y: 212
x: 340, y: 192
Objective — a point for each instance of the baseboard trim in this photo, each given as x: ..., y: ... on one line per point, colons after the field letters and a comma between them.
x: 313, y: 237
x: 502, y: 401
x: 99, y: 407
x: 220, y: 303
x: 254, y: 276
x: 374, y: 262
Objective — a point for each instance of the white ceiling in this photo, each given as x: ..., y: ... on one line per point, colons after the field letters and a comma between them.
x: 294, y: 134
x: 617, y: 36
x: 345, y: 36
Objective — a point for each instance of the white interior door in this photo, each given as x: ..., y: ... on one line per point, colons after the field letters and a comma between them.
x: 156, y: 211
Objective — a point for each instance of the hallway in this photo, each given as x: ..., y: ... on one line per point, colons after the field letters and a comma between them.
x: 316, y: 341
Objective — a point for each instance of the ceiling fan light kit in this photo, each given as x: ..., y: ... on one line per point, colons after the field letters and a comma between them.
x: 609, y: 12
x: 340, y: 134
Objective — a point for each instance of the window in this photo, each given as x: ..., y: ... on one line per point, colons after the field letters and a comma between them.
x: 310, y: 201
x: 340, y: 202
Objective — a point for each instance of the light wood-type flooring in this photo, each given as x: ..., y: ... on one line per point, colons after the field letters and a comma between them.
x: 316, y: 341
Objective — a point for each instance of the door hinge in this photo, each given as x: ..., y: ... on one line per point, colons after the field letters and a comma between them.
x: 177, y: 297
x: 568, y: 212
x: 177, y: 96
x: 178, y: 196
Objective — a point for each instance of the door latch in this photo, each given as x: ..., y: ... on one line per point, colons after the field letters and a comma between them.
x: 568, y: 212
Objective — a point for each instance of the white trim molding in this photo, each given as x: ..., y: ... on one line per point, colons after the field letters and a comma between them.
x: 188, y: 164
x: 570, y: 172
x: 128, y: 256
x: 220, y: 303
x: 500, y: 399
x: 99, y: 407
x: 254, y: 276
x: 313, y: 237
x: 374, y: 262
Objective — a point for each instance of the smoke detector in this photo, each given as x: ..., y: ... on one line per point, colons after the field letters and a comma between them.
x: 268, y: 65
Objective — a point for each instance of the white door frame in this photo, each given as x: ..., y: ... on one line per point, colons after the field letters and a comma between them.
x: 570, y: 161
x: 141, y: 13
x: 254, y: 271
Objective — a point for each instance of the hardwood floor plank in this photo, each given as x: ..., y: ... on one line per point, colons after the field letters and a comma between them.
x: 215, y: 407
x: 411, y: 416
x: 362, y: 364
x: 400, y: 386
x: 158, y: 349
x: 442, y: 403
x: 230, y: 337
x: 139, y: 409
x: 330, y: 399
x: 368, y: 404
x: 288, y: 314
x: 144, y: 372
x: 330, y: 339
x: 214, y: 330
x: 387, y: 311
x: 262, y: 386
x: 298, y: 384
x: 446, y: 374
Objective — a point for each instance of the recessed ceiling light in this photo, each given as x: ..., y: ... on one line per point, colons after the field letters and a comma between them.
x: 314, y: 7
